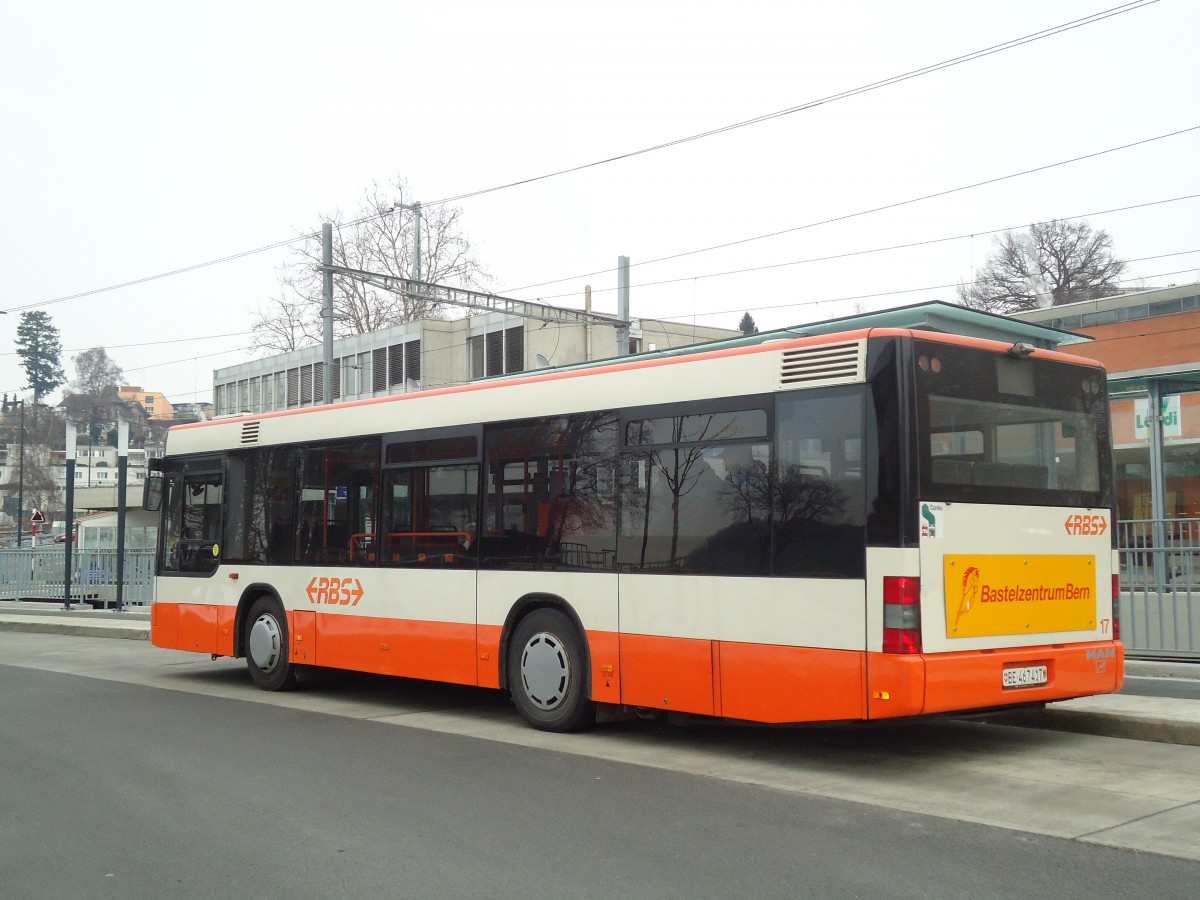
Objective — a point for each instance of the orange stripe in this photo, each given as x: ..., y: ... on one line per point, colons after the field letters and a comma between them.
x: 718, y: 700
x: 742, y: 681
x: 766, y: 683
x: 488, y: 651
x: 302, y: 632
x: 605, y: 650
x: 197, y: 628
x: 895, y: 685
x: 164, y: 625
x: 435, y: 651
x: 225, y: 619
x: 962, y: 340
x: 667, y: 673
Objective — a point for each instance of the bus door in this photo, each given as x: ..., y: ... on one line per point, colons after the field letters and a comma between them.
x: 191, y: 523
x: 189, y: 604
x: 425, y: 547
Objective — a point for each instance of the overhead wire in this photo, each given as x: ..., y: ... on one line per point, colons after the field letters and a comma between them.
x: 852, y: 253
x: 1052, y: 31
x: 932, y: 287
x: 842, y: 95
x: 874, y: 209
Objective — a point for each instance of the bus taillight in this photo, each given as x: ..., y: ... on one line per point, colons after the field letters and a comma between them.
x: 901, y: 614
x: 1116, y: 607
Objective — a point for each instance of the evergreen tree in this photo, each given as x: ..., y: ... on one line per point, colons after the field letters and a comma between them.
x: 747, y: 326
x: 40, y: 350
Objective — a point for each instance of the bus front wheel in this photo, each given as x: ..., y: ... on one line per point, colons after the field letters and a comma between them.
x: 267, y: 646
x: 546, y: 673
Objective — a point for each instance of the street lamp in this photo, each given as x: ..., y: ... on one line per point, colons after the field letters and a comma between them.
x: 8, y: 406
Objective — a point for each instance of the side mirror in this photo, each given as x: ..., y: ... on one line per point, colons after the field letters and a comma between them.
x: 152, y: 491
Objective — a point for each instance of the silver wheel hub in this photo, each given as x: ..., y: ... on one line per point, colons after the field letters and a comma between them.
x: 545, y: 670
x: 266, y: 642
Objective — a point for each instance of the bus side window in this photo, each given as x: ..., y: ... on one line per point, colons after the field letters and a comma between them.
x: 337, y: 489
x: 820, y: 504
x: 550, y: 498
x: 429, y: 517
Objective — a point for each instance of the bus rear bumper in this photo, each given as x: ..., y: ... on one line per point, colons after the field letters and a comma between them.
x: 900, y: 685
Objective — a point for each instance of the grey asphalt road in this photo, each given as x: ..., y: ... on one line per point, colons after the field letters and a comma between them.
x: 125, y: 790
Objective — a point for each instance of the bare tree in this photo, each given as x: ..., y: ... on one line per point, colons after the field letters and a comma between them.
x: 1053, y: 263
x: 92, y: 396
x: 96, y: 373
x: 378, y: 237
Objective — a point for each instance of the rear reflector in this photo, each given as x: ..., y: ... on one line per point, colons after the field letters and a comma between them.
x: 901, y: 614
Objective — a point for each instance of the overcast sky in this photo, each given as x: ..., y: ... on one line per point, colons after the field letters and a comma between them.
x: 140, y: 138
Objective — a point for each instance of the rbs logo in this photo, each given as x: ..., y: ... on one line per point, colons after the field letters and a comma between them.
x: 335, y: 591
x: 1086, y: 525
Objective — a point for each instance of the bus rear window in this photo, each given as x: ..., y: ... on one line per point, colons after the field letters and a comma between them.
x: 994, y: 433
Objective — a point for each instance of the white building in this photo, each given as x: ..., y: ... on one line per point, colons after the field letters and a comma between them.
x: 433, y: 353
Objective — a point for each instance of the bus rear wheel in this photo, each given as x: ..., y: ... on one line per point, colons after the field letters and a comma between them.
x: 267, y: 646
x: 546, y: 673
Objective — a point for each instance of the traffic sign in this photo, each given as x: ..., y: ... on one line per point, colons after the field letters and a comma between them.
x: 37, y: 518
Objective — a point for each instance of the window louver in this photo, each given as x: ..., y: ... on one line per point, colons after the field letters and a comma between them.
x: 250, y: 432
x: 818, y: 366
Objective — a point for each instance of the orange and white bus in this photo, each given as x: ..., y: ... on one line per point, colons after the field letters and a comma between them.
x: 865, y: 525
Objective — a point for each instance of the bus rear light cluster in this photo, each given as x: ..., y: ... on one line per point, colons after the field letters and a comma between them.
x: 901, y: 614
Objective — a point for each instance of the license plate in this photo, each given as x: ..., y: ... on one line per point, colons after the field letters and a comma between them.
x: 1024, y: 676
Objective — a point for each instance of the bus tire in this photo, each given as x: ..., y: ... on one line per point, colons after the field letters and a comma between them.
x: 546, y: 673
x: 267, y: 646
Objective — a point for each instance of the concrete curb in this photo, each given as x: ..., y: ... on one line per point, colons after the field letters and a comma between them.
x: 139, y: 631
x: 1103, y: 724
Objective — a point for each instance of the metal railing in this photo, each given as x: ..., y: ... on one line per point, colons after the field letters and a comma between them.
x: 37, y: 574
x: 1160, y: 587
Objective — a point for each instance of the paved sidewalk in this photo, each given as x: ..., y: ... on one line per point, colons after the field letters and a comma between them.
x: 131, y: 623
x: 1173, y: 720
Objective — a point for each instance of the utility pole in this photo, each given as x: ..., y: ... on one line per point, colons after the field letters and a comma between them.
x: 327, y: 310
x: 587, y: 326
x: 416, y: 268
x: 623, y: 305
x: 122, y: 482
x: 416, y: 208
x: 70, y: 523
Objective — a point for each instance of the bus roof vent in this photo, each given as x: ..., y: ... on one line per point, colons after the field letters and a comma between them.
x: 250, y: 432
x: 841, y: 363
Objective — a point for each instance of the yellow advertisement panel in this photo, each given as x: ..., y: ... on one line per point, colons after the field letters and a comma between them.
x: 1011, y: 594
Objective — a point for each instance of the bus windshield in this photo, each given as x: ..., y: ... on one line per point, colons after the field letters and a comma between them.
x: 1003, y: 429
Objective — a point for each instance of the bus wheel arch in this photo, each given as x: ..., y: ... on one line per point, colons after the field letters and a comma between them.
x: 545, y: 664
x: 265, y: 642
